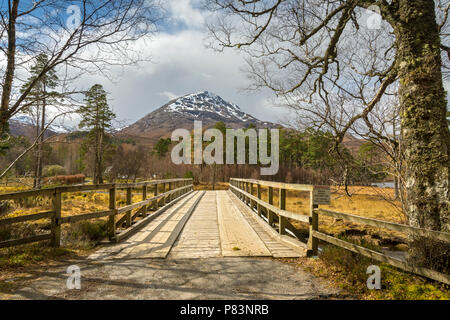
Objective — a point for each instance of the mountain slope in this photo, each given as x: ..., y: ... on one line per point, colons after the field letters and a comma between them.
x: 182, y: 112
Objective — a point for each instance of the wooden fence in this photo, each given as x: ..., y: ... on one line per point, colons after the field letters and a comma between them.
x: 245, y: 190
x: 171, y: 190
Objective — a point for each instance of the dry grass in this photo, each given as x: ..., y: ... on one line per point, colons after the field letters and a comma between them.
x: 370, y: 202
x: 208, y: 186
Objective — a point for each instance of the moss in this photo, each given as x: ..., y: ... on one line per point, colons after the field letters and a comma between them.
x: 26, y: 255
x: 348, y: 271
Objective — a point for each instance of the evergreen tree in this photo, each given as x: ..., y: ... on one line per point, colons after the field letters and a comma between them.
x: 38, y: 99
x: 97, y: 118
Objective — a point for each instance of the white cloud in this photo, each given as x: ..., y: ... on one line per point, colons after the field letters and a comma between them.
x: 169, y: 95
x: 181, y: 65
x: 183, y: 11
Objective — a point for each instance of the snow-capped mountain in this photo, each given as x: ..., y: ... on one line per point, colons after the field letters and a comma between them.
x: 24, y: 125
x: 182, y: 112
x: 206, y: 103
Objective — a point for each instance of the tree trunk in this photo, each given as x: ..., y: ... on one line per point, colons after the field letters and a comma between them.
x: 10, y: 68
x: 38, y: 175
x: 425, y: 133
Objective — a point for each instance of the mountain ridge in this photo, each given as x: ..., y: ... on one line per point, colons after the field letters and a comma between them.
x: 181, y: 112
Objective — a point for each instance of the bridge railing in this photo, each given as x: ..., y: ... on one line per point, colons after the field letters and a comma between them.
x: 245, y: 189
x: 164, y: 192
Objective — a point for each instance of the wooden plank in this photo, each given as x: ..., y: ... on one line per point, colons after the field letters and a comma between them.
x: 140, y: 224
x: 313, y: 244
x: 87, y: 216
x: 282, y: 220
x: 12, y: 243
x: 129, y: 201
x: 80, y: 188
x: 275, y: 242
x: 277, y: 185
x: 444, y: 236
x: 112, y: 218
x: 31, y: 217
x: 56, y: 220
x: 383, y: 258
x: 26, y: 194
x: 142, y: 203
x: 270, y: 214
x: 272, y: 208
x: 88, y: 187
x: 289, y: 226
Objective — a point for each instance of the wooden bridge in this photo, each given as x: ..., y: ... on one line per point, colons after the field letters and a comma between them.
x: 203, y: 224
x: 172, y: 221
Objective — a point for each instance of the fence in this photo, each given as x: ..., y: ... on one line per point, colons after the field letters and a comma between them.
x: 245, y: 190
x: 171, y: 190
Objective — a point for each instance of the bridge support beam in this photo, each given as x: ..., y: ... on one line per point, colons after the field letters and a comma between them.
x: 282, y: 221
x: 313, y: 243
x: 270, y: 214
x: 112, y: 218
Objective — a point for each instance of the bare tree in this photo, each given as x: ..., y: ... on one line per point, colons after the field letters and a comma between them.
x: 83, y: 36
x: 325, y: 59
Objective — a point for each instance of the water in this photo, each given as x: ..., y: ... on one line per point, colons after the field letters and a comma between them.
x: 389, y: 184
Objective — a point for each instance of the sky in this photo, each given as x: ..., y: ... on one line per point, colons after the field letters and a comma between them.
x: 181, y: 64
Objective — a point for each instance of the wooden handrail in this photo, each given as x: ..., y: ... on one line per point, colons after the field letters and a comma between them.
x: 444, y: 236
x: 31, y: 217
x: 57, y: 220
x: 431, y: 274
x: 238, y: 185
x: 80, y: 188
x: 278, y: 185
x: 278, y: 211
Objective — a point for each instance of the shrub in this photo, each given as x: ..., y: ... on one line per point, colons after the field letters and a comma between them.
x: 189, y: 175
x: 85, y: 234
x: 429, y: 253
x: 54, y: 170
x: 79, y: 178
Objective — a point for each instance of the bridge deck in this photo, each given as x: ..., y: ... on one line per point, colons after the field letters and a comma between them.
x: 202, y: 225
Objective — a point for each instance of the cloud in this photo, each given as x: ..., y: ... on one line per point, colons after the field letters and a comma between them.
x: 169, y: 95
x: 181, y: 65
x: 183, y: 11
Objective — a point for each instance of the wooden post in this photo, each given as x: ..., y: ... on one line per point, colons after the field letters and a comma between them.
x: 282, y: 220
x: 170, y: 198
x: 247, y: 188
x: 155, y: 193
x: 258, y: 206
x: 144, y: 197
x: 270, y: 215
x: 129, y: 201
x: 251, y: 192
x: 112, y: 218
x: 313, y: 243
x: 163, y: 199
x: 56, y: 220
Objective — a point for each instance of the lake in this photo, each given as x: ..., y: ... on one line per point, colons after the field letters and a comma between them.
x: 389, y: 184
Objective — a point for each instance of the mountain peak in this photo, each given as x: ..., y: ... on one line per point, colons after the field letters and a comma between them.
x: 206, y: 102
x: 204, y: 106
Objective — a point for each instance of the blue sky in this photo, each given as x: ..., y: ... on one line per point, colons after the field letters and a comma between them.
x: 180, y: 64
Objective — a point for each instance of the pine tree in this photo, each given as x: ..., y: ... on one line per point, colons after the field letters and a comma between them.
x: 97, y: 118
x: 38, y: 99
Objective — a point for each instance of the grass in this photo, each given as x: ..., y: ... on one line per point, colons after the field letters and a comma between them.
x: 208, y: 186
x: 342, y: 268
x: 370, y: 202
x: 347, y: 271
x: 29, y: 254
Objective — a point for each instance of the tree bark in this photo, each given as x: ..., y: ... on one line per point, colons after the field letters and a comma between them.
x: 425, y: 133
x: 10, y: 68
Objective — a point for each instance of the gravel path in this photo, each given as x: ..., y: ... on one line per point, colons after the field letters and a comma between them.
x: 155, y: 279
